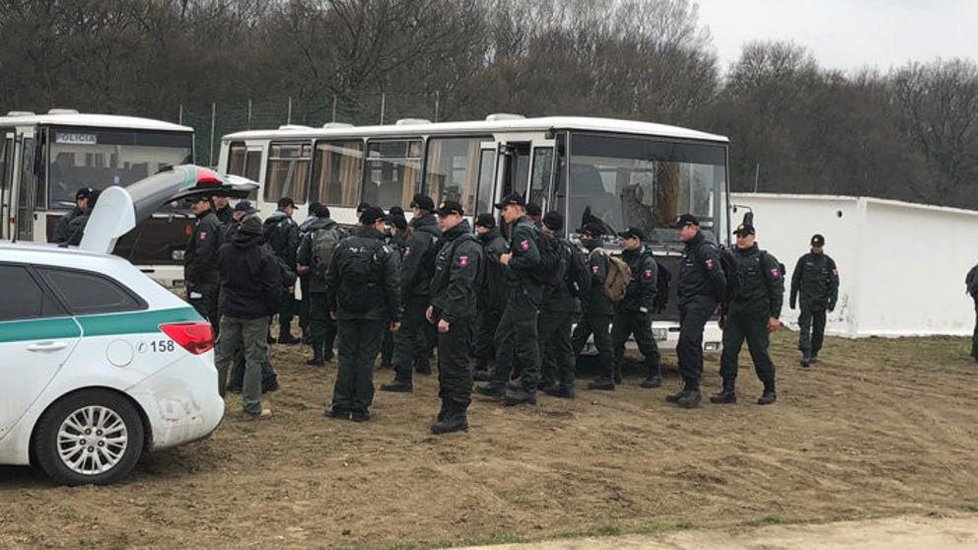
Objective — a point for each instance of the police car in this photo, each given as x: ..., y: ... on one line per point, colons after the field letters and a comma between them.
x: 98, y: 361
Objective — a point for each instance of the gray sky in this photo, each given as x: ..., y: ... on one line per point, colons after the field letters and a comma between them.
x: 848, y: 34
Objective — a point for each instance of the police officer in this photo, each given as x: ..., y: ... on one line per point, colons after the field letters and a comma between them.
x: 200, y: 270
x: 557, y: 313
x: 751, y: 312
x: 816, y: 279
x: 597, y: 309
x: 76, y: 227
x: 242, y: 209
x: 315, y: 248
x: 516, y: 337
x: 633, y: 314
x: 303, y: 275
x: 534, y: 213
x: 363, y: 294
x: 282, y: 235
x: 397, y: 239
x: 417, y: 267
x: 492, y: 294
x: 61, y: 234
x: 454, y: 296
x: 251, y: 290
x: 702, y: 286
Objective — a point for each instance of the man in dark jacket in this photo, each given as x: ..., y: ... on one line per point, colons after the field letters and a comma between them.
x: 397, y: 239
x: 492, y: 294
x: 702, y: 286
x: 454, y: 296
x: 303, y: 305
x: 250, y: 293
x: 61, y: 234
x: 816, y: 279
x: 751, y: 312
x: 417, y: 267
x: 282, y: 235
x: 597, y: 309
x: 200, y: 270
x: 222, y: 209
x: 363, y: 293
x: 315, y: 250
x: 516, y: 338
x: 76, y: 227
x: 633, y: 314
x: 557, y: 312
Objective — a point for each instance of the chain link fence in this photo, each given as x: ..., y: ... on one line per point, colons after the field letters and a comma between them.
x: 223, y: 118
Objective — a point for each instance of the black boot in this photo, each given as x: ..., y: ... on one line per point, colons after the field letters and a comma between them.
x: 616, y: 376
x: 603, y: 384
x: 520, y: 397
x: 654, y: 379
x: 285, y: 335
x: 675, y: 397
x: 690, y: 400
x: 453, y: 420
x: 317, y: 356
x: 727, y: 394
x: 560, y: 390
x: 482, y: 376
x: 769, y: 396
x: 398, y: 386
x: 422, y: 365
x: 491, y: 389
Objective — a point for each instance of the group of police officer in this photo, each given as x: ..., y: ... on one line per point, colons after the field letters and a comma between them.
x: 434, y: 282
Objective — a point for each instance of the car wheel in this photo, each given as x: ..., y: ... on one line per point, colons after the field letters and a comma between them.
x: 90, y: 437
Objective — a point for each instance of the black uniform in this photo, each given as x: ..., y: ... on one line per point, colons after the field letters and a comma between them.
x: 702, y: 286
x: 557, y: 313
x: 61, y: 233
x: 282, y: 235
x: 322, y: 327
x: 597, y: 313
x: 516, y: 337
x: 417, y: 267
x: 816, y: 279
x: 756, y: 294
x: 492, y: 296
x: 633, y: 314
x: 304, y: 304
x: 363, y: 289
x: 397, y: 242
x: 224, y: 215
x: 200, y: 269
x: 454, y: 298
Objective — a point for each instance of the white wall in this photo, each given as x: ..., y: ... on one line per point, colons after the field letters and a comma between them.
x: 901, y: 265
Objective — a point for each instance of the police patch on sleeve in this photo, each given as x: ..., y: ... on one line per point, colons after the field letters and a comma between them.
x: 203, y: 235
x: 710, y: 264
x: 594, y: 269
x: 647, y: 274
x: 463, y: 261
x: 525, y: 245
x: 776, y: 273
x: 407, y: 250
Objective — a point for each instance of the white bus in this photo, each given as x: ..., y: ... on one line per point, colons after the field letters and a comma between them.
x: 45, y: 159
x: 625, y: 173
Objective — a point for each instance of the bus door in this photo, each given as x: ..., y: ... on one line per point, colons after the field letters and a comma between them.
x: 541, y: 175
x: 484, y: 197
x: 513, y: 171
x: 26, y: 189
x: 6, y: 183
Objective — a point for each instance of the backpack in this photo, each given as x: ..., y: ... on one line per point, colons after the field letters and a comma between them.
x: 548, y: 271
x: 357, y: 292
x: 663, y: 278
x: 619, y: 275
x: 324, y: 240
x: 577, y: 276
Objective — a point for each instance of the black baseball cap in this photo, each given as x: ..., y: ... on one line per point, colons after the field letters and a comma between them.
x: 631, y: 232
x: 533, y: 209
x: 83, y: 193
x: 592, y: 229
x: 371, y: 215
x: 285, y: 202
x: 485, y: 220
x: 423, y: 202
x: 818, y: 240
x: 361, y: 207
x: 684, y: 220
x: 553, y: 219
x: 245, y: 206
x: 447, y: 208
x: 744, y: 229
x: 512, y: 198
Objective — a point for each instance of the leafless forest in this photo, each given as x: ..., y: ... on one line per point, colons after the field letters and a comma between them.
x: 907, y: 133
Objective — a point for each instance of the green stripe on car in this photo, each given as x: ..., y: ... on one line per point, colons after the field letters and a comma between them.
x: 95, y: 325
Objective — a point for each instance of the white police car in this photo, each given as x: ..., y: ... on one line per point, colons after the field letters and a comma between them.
x: 97, y: 361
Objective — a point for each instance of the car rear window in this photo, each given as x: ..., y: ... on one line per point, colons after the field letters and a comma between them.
x: 87, y: 293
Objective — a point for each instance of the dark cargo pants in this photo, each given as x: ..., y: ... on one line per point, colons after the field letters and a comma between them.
x: 359, y: 345
x: 411, y: 341
x: 454, y: 371
x: 517, y: 345
x: 322, y: 327
x: 596, y: 324
x: 556, y: 352
x: 811, y: 328
x: 628, y: 323
x: 736, y: 329
x: 693, y: 316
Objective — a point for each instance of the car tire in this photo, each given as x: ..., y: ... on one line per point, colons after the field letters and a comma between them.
x: 92, y: 437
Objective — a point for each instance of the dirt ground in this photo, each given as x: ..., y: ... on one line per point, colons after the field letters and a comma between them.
x: 880, y: 428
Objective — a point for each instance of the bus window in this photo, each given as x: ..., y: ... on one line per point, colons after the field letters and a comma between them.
x: 288, y: 171
x: 487, y: 169
x: 543, y: 159
x: 237, y: 153
x: 452, y: 170
x: 336, y: 172
x: 393, y: 172
x: 25, y: 209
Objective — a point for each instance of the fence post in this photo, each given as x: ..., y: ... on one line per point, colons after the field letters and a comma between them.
x: 249, y: 115
x: 213, y: 122
x: 180, y: 118
x: 383, y: 105
x: 437, y: 97
x: 288, y: 119
x: 334, y: 108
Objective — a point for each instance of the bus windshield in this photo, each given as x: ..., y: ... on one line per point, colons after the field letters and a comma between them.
x: 99, y: 158
x: 645, y: 183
